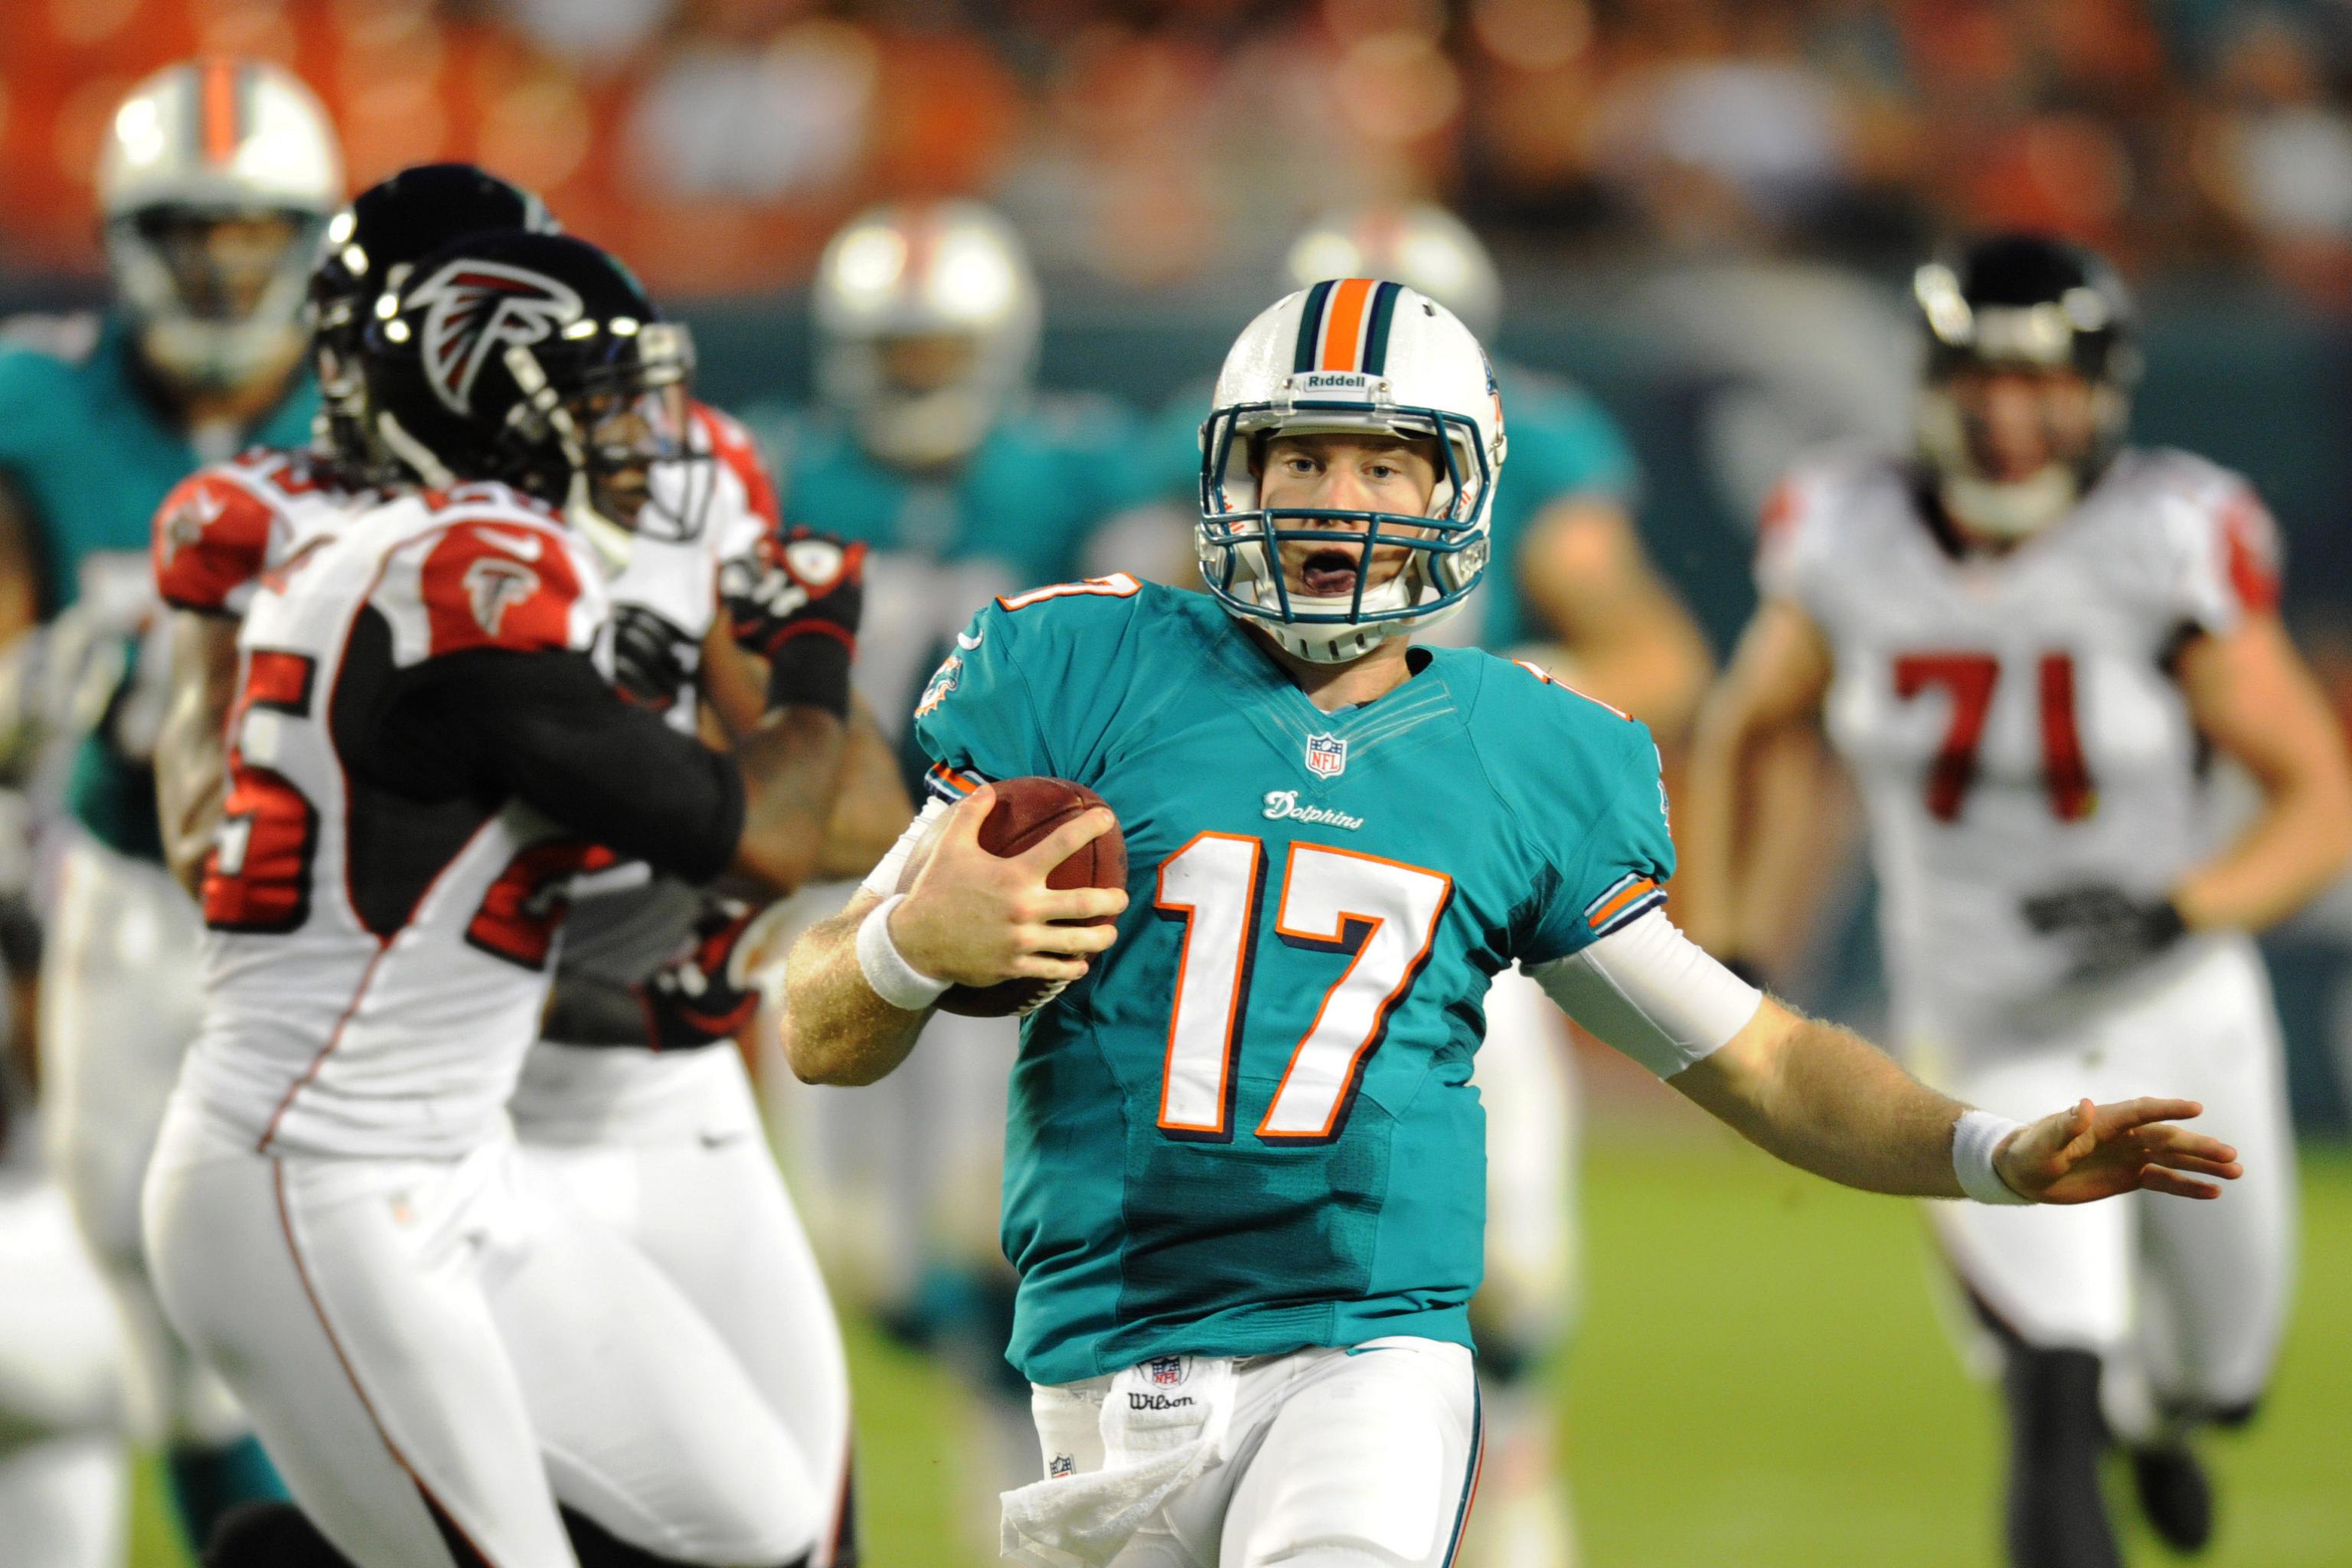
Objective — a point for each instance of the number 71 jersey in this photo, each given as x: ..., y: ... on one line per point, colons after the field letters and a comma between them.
x: 2014, y: 722
x: 1249, y: 1128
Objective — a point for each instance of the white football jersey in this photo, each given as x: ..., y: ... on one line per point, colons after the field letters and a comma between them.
x: 677, y: 580
x: 225, y: 524
x: 373, y: 977
x: 2014, y: 722
x: 626, y: 920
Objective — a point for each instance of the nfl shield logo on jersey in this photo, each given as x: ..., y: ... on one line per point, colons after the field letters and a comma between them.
x: 1327, y: 757
x: 1166, y: 1370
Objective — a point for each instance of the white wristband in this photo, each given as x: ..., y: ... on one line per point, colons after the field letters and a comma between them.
x: 886, y: 969
x: 1975, y: 1136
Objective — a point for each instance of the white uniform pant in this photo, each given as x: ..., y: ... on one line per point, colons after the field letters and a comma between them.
x: 907, y: 1174
x: 434, y: 1352
x: 667, y: 1149
x: 2185, y: 1301
x: 61, y: 1457
x: 122, y: 998
x: 1529, y: 1301
x: 1367, y: 1457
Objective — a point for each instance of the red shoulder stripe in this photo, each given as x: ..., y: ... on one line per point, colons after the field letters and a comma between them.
x: 2250, y: 541
x: 210, y: 537
x: 498, y: 584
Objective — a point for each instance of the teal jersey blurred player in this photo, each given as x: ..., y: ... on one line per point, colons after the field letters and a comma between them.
x: 929, y: 442
x: 1251, y: 1130
x: 1010, y: 514
x: 215, y: 180
x: 931, y: 445
x: 90, y: 443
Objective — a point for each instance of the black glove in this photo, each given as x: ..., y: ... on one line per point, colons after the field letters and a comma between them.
x: 2108, y: 928
x: 705, y: 995
x: 653, y: 659
x: 795, y: 601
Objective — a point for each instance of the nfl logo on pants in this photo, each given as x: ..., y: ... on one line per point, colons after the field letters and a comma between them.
x: 1327, y: 757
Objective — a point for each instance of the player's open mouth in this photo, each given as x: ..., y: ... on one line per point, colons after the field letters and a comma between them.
x: 1329, y: 573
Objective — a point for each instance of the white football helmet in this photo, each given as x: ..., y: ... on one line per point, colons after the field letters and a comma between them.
x: 216, y: 181
x: 1421, y: 246
x: 1350, y: 355
x: 927, y: 320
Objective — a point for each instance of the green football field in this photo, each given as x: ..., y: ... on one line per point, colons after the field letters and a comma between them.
x: 1762, y: 1380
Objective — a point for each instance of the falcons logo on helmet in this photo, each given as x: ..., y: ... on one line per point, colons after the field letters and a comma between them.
x: 476, y: 307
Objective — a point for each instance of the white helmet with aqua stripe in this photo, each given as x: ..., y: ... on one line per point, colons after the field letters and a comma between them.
x: 1349, y: 356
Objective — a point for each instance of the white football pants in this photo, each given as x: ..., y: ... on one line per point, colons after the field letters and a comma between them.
x: 122, y: 998
x: 1365, y: 1457
x: 2186, y: 1301
x: 667, y: 1149
x: 434, y: 1353
x: 1527, y: 1305
x: 61, y: 1457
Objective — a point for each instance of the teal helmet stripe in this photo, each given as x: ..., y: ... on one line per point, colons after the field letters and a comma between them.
x: 1376, y: 338
x: 1311, y: 326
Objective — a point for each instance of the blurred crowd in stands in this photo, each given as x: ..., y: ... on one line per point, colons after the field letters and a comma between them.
x: 1157, y: 143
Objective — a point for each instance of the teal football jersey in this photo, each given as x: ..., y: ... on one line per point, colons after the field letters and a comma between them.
x: 1025, y: 499
x: 1251, y: 1126
x: 1562, y: 444
x: 85, y: 443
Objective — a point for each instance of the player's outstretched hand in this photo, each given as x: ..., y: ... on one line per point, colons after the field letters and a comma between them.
x: 2093, y: 1151
x: 974, y: 919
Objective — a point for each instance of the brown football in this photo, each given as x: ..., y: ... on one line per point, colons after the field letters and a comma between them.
x: 1026, y: 810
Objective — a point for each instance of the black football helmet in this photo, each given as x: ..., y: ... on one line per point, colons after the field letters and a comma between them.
x: 536, y: 360
x: 2022, y: 302
x: 370, y: 246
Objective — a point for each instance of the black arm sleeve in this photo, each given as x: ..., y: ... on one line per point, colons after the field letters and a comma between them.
x: 546, y: 727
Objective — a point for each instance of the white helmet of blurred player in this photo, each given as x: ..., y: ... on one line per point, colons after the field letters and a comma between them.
x: 927, y: 320
x: 215, y: 180
x: 1349, y: 356
x: 1419, y: 245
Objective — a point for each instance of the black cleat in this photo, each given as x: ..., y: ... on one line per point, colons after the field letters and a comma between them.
x: 2175, y: 1495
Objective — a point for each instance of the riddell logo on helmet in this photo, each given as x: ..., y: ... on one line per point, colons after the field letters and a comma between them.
x: 1352, y: 381
x: 473, y: 307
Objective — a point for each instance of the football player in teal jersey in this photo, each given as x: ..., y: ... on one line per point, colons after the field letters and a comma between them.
x: 929, y: 442
x: 931, y: 447
x: 1570, y: 587
x: 1244, y: 1183
x: 215, y: 179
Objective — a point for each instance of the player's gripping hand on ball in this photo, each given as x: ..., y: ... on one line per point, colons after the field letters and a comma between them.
x: 970, y: 923
x: 975, y: 919
x: 2091, y: 1151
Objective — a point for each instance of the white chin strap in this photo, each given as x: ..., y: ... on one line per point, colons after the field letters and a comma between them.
x: 611, y: 544
x: 1339, y: 642
x: 2014, y: 510
x: 927, y: 430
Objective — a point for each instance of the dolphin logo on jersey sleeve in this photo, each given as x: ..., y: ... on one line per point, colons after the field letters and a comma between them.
x: 474, y: 308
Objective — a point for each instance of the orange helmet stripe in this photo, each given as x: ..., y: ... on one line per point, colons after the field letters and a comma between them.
x: 217, y: 88
x: 1343, y: 324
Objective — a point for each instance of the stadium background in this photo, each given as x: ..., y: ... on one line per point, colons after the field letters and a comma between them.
x: 1704, y: 212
